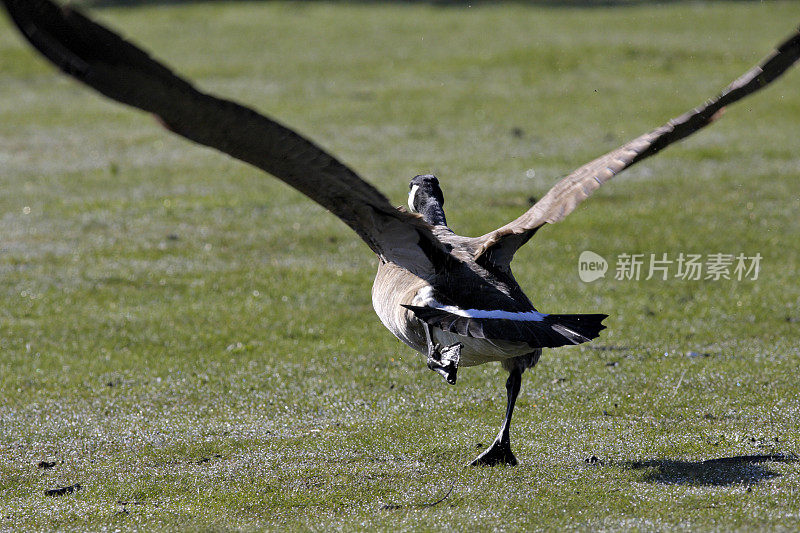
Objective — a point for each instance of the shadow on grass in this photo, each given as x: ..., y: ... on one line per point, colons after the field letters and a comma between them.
x: 741, y: 469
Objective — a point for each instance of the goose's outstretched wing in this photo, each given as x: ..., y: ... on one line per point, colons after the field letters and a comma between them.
x: 499, y: 246
x: 101, y: 59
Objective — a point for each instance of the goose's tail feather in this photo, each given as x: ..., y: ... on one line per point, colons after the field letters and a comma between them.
x: 577, y: 328
x: 539, y: 330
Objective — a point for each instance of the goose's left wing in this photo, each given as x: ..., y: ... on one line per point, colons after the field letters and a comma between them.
x: 498, y: 246
x: 116, y: 68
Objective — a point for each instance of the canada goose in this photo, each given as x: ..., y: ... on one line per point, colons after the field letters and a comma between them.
x: 452, y: 298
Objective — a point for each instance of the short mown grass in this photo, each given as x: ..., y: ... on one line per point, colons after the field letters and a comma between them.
x: 193, y: 343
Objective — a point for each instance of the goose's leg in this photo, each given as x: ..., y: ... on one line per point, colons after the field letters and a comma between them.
x: 443, y: 360
x: 500, y: 450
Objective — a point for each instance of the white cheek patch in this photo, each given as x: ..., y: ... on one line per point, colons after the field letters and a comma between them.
x: 411, y: 196
x: 424, y: 297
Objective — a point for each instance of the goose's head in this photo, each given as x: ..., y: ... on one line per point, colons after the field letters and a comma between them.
x: 422, y: 190
x: 425, y: 197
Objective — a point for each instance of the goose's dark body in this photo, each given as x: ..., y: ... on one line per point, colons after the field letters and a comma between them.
x: 482, y: 307
x: 450, y: 297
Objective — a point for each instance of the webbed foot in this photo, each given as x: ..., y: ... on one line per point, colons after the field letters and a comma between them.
x: 498, y: 453
x: 445, y: 361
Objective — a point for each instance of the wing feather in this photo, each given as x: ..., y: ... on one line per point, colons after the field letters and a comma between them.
x: 120, y: 70
x: 500, y: 245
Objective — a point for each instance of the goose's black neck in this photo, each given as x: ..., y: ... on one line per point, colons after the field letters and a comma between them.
x: 426, y: 198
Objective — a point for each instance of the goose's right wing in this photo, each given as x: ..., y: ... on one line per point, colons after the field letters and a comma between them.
x: 498, y: 246
x: 116, y: 68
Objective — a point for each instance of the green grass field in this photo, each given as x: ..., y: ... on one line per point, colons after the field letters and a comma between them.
x: 194, y: 343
